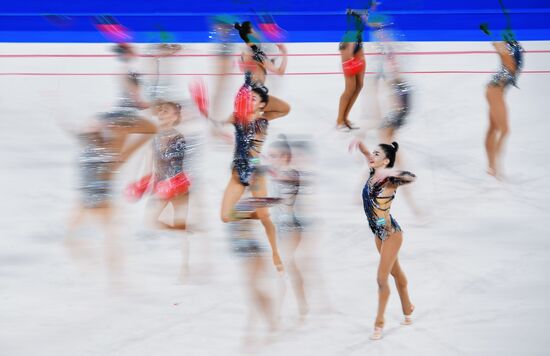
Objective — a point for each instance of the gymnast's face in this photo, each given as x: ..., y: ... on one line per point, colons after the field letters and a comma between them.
x: 378, y: 159
x: 257, y: 103
x: 167, y: 115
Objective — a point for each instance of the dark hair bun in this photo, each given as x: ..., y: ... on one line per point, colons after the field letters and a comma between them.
x: 395, y: 145
x: 238, y: 26
x: 259, y: 88
x: 122, y: 48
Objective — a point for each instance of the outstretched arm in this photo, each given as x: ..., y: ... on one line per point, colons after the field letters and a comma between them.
x: 397, y: 177
x: 143, y: 127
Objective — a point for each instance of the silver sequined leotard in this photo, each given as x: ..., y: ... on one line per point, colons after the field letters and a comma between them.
x: 505, y: 76
x: 169, y: 152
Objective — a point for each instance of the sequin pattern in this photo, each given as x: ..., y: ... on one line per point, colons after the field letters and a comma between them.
x: 169, y: 152
x: 96, y: 165
x: 504, y: 76
x: 396, y: 118
x: 245, y: 161
x: 243, y: 234
x: 287, y: 188
x: 372, y: 201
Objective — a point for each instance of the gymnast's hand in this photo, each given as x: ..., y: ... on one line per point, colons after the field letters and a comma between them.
x: 282, y: 48
x: 277, y: 262
x: 354, y: 144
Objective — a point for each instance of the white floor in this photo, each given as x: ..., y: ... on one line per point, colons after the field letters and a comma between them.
x: 477, y: 268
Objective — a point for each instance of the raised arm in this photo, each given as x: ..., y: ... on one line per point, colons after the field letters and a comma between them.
x: 135, y: 93
x: 281, y: 69
x: 358, y: 144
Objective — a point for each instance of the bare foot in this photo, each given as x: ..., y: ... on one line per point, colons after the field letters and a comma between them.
x: 376, y: 334
x: 493, y: 172
x: 408, y: 317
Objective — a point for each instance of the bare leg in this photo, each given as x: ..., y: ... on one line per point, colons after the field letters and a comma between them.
x: 492, y: 132
x: 400, y: 283
x: 345, y: 99
x: 231, y: 196
x: 77, y: 249
x: 259, y: 189
x: 113, y: 250
x: 346, y: 53
x: 155, y: 208
x: 76, y: 219
x: 490, y: 147
x: 388, y: 256
x: 359, y: 81
x: 290, y: 245
x: 180, y: 205
x: 256, y: 268
x: 502, y: 118
x: 276, y: 108
x: 498, y: 127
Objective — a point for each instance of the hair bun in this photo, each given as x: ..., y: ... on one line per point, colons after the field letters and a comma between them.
x: 260, y: 87
x: 238, y: 26
x: 395, y: 145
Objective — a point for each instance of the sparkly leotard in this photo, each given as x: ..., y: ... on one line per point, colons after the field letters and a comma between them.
x: 401, y: 91
x: 96, y: 165
x: 169, y: 151
x: 373, y: 201
x: 258, y: 58
x: 248, y: 148
x: 288, y: 188
x: 505, y: 76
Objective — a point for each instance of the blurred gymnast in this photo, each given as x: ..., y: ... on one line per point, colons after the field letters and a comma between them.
x: 256, y: 64
x: 511, y: 57
x: 251, y: 126
x: 290, y: 227
x: 104, y: 149
x: 353, y: 64
x: 166, y: 178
